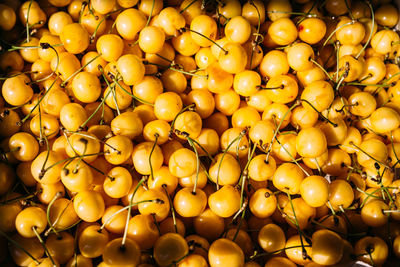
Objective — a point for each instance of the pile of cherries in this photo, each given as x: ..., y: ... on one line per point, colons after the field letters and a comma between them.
x: 199, y: 133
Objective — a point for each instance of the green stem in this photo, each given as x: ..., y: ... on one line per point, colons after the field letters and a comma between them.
x: 19, y: 247
x: 130, y: 209
x: 297, y: 226
x: 79, y: 70
x: 151, y: 13
x: 190, y: 141
x: 237, y: 138
x: 202, y: 35
x: 51, y: 225
x: 44, y: 245
x: 131, y: 95
x: 372, y: 29
x: 189, y: 5
x: 171, y: 206
x: 322, y: 68
x: 27, y: 21
x: 333, y: 32
x: 156, y: 135
x: 322, y: 116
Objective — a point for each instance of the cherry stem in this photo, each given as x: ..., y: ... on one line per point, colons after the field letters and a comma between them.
x: 394, y: 150
x: 79, y: 70
x: 94, y: 138
x: 95, y: 111
x: 340, y: 82
x: 337, y: 46
x: 322, y: 68
x: 202, y: 148
x: 391, y: 77
x: 130, y: 209
x: 93, y: 36
x: 368, y: 84
x: 186, y: 7
x: 41, y: 127
x: 27, y: 21
x: 384, y: 188
x: 349, y: 10
x: 308, y: 15
x: 171, y: 206
x: 17, y: 74
x: 190, y: 141
x: 297, y: 103
x: 372, y: 30
x: 236, y: 139
x: 153, y: 215
x: 44, y: 245
x: 308, y: 12
x: 75, y: 170
x: 369, y: 195
x: 112, y: 216
x: 131, y: 95
x: 53, y: 72
x: 125, y: 208
x: 84, y: 4
x: 151, y: 13
x: 334, y: 31
x: 42, y: 45
x: 47, y: 154
x: 320, y: 114
x: 202, y: 35
x: 256, y: 34
x: 112, y: 89
x: 367, y: 154
x: 390, y: 211
x: 70, y: 160
x: 156, y: 136
x: 242, y: 211
x: 16, y: 199
x: 270, y: 88
x: 19, y: 247
x: 98, y: 170
x: 244, y: 174
x: 145, y: 62
x: 191, y: 107
x: 243, y: 177
x: 331, y: 208
x: 370, y: 257
x: 292, y: 158
x: 38, y: 103
x: 326, y: 227
x: 175, y: 262
x: 346, y: 106
x: 297, y: 225
x: 256, y: 255
x: 51, y: 224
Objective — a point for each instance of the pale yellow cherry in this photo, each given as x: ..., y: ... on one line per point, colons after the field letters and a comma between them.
x: 238, y: 30
x: 142, y: 153
x: 16, y: 90
x: 246, y: 83
x: 283, y: 31
x: 225, y: 170
x: 86, y: 87
x: 385, y: 119
x: 274, y: 63
x: 182, y: 163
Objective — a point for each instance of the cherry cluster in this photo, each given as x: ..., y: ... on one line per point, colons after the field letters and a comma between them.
x: 199, y: 133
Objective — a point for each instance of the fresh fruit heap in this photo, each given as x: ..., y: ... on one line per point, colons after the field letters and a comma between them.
x: 196, y: 133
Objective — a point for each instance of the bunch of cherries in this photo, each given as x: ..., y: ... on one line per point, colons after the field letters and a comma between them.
x: 199, y: 133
